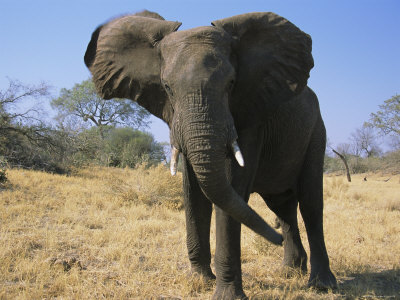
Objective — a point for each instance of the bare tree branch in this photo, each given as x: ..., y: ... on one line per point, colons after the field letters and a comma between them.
x: 345, y: 163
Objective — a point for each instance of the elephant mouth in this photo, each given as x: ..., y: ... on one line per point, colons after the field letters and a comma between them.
x: 175, y: 157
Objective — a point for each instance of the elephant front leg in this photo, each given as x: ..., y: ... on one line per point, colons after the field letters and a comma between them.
x: 227, y: 254
x: 227, y: 258
x: 198, y: 210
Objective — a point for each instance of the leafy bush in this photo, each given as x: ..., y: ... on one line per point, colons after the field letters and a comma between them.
x: 115, y: 147
x: 332, y: 164
x: 25, y: 140
x: 3, y: 176
x: 390, y: 162
x: 126, y: 147
x: 21, y: 151
x: 359, y: 165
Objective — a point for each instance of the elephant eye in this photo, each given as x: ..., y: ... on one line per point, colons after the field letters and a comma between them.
x: 168, y: 89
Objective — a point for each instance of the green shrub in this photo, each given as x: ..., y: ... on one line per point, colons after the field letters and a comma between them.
x: 390, y: 162
x: 3, y: 176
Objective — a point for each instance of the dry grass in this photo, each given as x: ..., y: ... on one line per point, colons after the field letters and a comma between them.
x: 120, y: 233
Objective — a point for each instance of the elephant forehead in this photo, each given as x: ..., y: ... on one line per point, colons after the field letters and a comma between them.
x: 199, y: 35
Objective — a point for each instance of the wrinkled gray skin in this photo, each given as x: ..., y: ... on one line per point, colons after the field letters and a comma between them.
x: 244, y: 79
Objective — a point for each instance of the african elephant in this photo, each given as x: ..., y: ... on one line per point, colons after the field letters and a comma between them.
x: 235, y: 98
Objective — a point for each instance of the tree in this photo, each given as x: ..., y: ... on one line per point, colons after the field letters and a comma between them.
x: 84, y: 103
x: 364, y: 141
x: 25, y: 139
x: 345, y: 149
x: 387, y: 118
x: 343, y: 158
x: 22, y: 121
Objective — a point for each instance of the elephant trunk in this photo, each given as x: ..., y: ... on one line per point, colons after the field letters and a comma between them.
x: 206, y: 145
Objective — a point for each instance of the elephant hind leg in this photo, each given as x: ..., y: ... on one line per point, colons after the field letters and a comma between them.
x: 285, y: 208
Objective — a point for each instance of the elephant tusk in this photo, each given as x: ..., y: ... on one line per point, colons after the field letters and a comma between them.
x: 237, y: 153
x: 174, y: 160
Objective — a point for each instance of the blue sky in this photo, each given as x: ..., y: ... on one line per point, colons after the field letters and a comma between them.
x: 356, y: 46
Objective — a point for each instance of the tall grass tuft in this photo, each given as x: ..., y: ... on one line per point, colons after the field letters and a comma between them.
x: 335, y: 186
x: 154, y: 186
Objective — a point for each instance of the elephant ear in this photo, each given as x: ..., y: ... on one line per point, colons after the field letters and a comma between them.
x: 124, y: 61
x: 273, y: 60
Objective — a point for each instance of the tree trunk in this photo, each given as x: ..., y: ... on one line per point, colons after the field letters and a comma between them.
x: 345, y: 164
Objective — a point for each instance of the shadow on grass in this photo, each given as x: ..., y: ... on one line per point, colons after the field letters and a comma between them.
x: 385, y: 284
x: 365, y: 285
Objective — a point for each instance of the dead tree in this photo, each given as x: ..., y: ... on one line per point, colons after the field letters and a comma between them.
x: 345, y: 164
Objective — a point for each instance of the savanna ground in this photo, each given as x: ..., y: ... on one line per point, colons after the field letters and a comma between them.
x: 120, y: 233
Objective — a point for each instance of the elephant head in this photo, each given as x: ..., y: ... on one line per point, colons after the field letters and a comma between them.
x: 205, y: 83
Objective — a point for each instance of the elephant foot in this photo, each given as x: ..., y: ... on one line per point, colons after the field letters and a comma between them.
x: 229, y: 292
x: 297, y: 264
x: 203, y: 272
x: 290, y: 271
x: 322, y: 280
